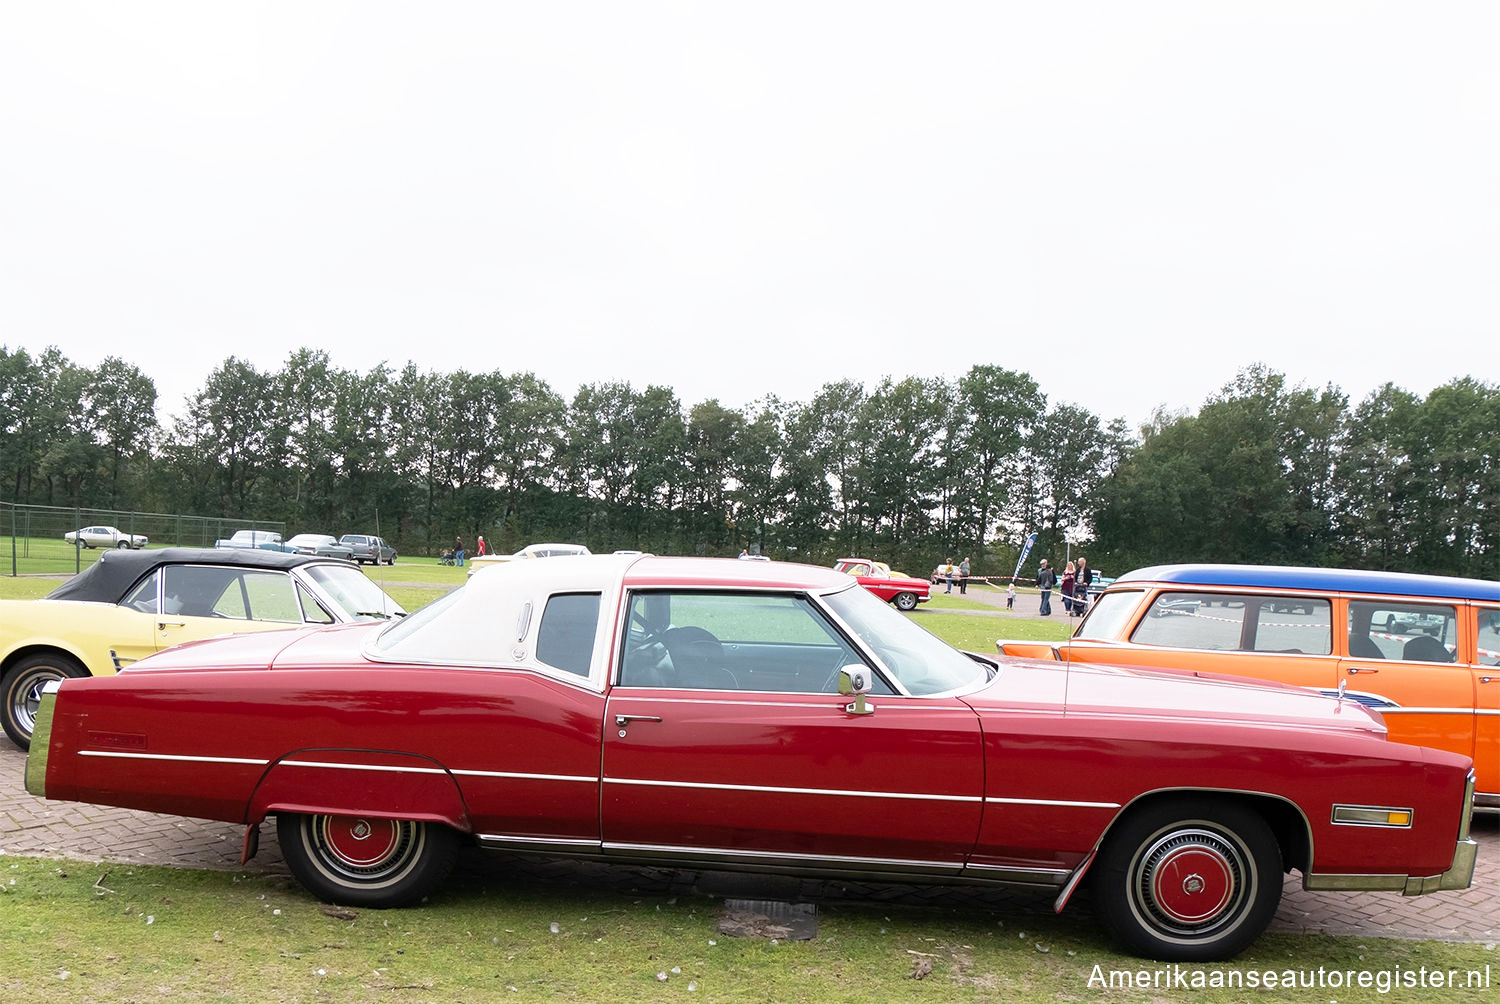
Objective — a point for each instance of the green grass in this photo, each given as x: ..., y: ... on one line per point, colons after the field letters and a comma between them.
x: 27, y: 588
x: 77, y: 931
x: 979, y: 633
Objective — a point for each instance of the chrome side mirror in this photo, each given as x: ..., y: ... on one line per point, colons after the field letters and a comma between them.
x: 855, y: 679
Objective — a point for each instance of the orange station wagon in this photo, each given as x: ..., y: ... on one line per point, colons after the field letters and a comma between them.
x: 1423, y: 650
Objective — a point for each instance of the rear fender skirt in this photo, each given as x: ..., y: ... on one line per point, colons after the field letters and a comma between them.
x: 351, y: 782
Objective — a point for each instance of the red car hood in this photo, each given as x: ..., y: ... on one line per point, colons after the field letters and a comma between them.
x: 1095, y: 689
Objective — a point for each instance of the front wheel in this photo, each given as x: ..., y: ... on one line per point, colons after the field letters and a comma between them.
x: 1189, y: 880
x: 123, y: 545
x: 23, y: 692
x: 906, y: 602
x: 366, y: 861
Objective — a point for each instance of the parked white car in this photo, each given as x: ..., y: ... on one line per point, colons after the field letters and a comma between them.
x: 529, y: 551
x: 321, y: 544
x: 104, y: 536
x: 262, y: 540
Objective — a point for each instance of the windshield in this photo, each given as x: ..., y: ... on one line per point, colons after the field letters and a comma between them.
x: 923, y: 663
x: 356, y: 595
x: 1110, y: 613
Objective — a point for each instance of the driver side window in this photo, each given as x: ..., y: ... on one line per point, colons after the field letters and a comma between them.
x: 733, y: 641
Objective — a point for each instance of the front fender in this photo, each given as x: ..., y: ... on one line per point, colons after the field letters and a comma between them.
x: 349, y: 782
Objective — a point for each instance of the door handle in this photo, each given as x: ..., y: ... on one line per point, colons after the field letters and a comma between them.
x: 624, y: 720
x: 163, y: 625
x: 1486, y: 679
x: 1360, y: 669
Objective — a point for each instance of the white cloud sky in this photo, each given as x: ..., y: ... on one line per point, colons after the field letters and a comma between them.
x: 1130, y: 201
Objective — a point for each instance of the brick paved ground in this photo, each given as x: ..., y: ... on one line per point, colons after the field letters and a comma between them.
x: 32, y: 826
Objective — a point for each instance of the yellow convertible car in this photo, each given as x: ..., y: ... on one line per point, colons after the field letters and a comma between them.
x: 133, y: 603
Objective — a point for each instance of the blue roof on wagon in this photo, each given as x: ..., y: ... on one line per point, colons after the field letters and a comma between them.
x: 1340, y: 580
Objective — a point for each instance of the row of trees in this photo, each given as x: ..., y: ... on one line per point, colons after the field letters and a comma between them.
x: 912, y: 470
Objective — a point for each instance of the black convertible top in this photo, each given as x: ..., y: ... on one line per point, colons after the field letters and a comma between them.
x: 112, y: 576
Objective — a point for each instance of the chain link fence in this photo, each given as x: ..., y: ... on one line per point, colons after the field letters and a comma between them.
x: 39, y: 540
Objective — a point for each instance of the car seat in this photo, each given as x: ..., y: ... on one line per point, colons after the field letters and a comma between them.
x: 1425, y: 648
x: 699, y: 659
x: 1362, y: 646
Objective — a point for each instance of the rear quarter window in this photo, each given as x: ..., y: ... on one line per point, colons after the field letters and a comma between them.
x: 565, y: 638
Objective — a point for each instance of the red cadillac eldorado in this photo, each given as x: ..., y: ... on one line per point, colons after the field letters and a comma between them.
x: 759, y: 716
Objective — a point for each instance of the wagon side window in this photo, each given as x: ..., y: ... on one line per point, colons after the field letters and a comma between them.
x: 1408, y: 632
x: 565, y: 638
x: 1488, y: 649
x: 1209, y: 621
x: 1294, y: 624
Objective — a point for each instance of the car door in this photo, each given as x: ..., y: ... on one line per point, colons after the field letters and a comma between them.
x: 725, y: 739
x: 1484, y: 664
x: 1403, y: 661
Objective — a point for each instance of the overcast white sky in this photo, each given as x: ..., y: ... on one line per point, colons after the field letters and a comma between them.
x: 1129, y: 200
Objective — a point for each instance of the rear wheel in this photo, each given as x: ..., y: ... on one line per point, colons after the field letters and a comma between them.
x: 1189, y: 880
x: 364, y: 860
x: 905, y: 601
x: 23, y: 685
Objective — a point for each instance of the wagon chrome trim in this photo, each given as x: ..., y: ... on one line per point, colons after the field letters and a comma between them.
x: 772, y: 789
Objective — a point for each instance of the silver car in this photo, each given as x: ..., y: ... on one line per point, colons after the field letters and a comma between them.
x: 104, y: 536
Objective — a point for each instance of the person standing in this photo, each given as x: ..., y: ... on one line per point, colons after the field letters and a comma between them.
x: 1010, y: 596
x: 481, y: 549
x: 458, y: 551
x: 1045, y: 580
x: 1081, y: 588
x: 948, y: 574
x: 1069, y: 579
x: 963, y: 576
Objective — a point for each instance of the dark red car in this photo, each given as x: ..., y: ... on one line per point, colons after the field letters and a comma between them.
x: 764, y: 716
x: 902, y: 591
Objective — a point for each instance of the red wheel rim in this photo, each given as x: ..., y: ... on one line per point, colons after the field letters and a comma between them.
x: 360, y: 842
x: 1193, y: 883
x: 1191, y: 880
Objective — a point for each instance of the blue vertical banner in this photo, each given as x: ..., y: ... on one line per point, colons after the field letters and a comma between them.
x: 1022, y: 559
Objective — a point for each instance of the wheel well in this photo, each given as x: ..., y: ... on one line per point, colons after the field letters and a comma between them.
x: 1286, y: 821
x: 391, y: 785
x: 52, y: 650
